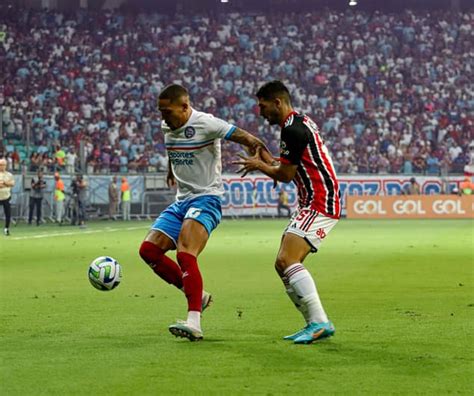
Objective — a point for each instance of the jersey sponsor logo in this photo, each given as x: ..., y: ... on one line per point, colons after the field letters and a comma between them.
x: 189, y: 132
x: 181, y: 158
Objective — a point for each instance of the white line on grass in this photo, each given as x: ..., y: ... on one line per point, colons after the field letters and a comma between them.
x: 56, y: 234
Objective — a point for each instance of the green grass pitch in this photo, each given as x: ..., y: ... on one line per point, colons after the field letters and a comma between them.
x: 399, y: 292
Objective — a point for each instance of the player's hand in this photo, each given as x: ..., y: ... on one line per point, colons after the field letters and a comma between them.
x: 249, y: 164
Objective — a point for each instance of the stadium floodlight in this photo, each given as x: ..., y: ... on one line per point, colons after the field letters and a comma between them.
x: 352, y: 3
x: 224, y: 1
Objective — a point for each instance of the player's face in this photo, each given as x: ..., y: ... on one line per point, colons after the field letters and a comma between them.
x: 269, y: 110
x: 3, y: 165
x: 174, y: 113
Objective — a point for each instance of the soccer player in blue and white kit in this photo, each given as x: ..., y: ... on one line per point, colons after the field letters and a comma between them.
x: 192, y: 139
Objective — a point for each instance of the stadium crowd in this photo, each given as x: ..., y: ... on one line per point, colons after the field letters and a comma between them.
x: 392, y: 93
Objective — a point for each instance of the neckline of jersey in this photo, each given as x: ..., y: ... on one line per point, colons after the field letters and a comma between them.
x: 292, y: 112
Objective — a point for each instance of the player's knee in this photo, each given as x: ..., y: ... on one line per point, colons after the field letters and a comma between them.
x: 278, y: 270
x: 149, y: 252
x: 281, y: 263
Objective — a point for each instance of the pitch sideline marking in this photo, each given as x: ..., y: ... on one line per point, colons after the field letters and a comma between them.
x: 56, y: 234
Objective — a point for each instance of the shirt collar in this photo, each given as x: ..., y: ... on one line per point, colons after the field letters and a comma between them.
x: 286, y: 118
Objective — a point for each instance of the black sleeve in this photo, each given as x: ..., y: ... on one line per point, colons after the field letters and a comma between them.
x: 294, y: 140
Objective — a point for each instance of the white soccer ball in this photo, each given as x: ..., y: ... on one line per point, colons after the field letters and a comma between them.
x: 105, y: 273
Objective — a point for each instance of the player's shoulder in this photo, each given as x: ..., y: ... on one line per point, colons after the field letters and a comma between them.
x: 295, y: 125
x: 202, y: 117
x: 294, y: 121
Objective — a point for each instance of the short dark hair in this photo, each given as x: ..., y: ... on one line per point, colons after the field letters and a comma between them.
x: 173, y: 92
x: 274, y: 89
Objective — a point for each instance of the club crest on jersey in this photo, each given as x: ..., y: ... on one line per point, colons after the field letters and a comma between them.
x: 189, y: 132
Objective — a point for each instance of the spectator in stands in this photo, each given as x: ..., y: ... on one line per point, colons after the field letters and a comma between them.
x: 66, y: 83
x: 59, y: 157
x: 71, y: 158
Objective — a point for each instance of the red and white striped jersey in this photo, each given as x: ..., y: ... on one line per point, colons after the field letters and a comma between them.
x: 315, y: 176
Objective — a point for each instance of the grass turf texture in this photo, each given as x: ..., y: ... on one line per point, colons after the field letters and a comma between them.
x: 399, y: 292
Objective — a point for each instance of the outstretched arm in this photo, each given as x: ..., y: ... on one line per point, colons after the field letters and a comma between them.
x: 255, y: 147
x: 281, y: 172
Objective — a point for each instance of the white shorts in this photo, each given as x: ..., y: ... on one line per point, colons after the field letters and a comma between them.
x: 310, y: 225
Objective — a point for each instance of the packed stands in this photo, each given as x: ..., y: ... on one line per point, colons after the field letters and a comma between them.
x: 392, y: 93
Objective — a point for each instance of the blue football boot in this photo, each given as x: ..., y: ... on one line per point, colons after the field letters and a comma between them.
x: 315, y: 331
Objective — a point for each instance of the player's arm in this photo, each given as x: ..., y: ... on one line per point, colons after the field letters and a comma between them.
x: 283, y: 172
x: 170, y: 179
x: 254, y: 145
x: 293, y: 142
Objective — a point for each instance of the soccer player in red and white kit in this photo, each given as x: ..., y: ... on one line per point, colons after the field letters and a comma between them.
x: 304, y: 159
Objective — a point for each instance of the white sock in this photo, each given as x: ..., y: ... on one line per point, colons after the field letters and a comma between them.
x: 300, y: 306
x: 303, y: 285
x: 194, y: 319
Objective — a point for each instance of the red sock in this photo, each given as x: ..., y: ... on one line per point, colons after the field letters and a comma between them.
x: 162, y: 265
x: 192, y: 280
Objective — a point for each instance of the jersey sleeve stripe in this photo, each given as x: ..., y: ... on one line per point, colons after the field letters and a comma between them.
x: 230, y: 132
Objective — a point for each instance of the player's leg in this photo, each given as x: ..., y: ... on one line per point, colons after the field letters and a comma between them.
x: 163, y: 237
x: 304, y: 235
x: 192, y: 240
x: 153, y: 251
x: 293, y: 251
x: 203, y: 214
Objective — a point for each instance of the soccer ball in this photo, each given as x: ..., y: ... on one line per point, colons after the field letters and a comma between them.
x: 105, y: 273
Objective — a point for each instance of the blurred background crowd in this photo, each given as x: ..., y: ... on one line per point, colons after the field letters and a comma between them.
x: 391, y: 92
